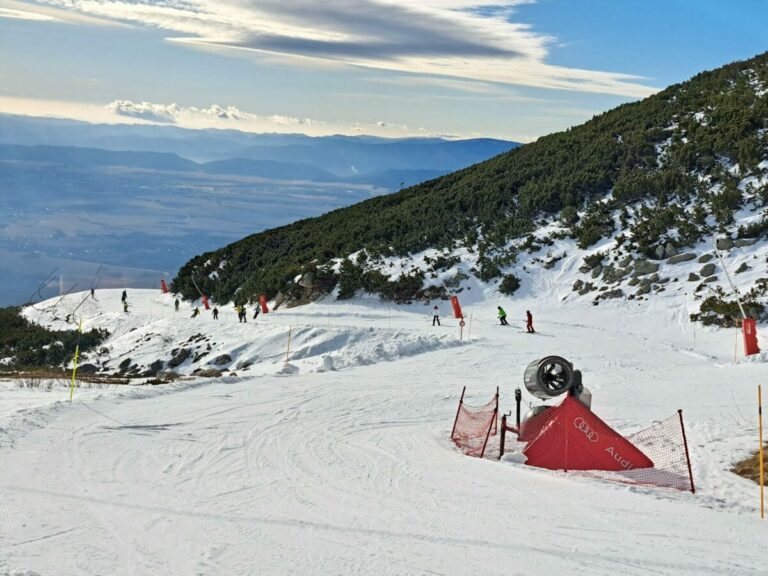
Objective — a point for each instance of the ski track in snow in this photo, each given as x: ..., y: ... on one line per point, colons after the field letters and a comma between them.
x: 350, y: 470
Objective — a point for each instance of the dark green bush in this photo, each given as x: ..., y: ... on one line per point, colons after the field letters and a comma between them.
x: 33, y: 346
x: 509, y: 284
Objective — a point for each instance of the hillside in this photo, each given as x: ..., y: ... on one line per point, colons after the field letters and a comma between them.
x: 656, y: 176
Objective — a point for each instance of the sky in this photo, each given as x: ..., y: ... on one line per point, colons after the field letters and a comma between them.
x: 515, y: 69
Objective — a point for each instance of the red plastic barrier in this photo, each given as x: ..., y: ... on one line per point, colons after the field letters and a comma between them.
x: 205, y: 302
x: 457, y: 313
x: 163, y: 287
x: 663, y: 444
x: 574, y: 438
x: 263, y: 303
x: 749, y: 330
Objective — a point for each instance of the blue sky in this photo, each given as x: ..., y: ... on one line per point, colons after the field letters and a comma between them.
x: 515, y: 69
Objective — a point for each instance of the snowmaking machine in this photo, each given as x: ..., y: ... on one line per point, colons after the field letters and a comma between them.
x: 548, y: 378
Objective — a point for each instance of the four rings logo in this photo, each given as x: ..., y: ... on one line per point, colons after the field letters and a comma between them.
x: 580, y: 424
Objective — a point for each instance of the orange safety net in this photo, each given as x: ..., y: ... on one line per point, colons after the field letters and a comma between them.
x: 475, y: 425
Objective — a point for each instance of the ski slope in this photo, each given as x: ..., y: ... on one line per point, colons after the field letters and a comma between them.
x: 338, y: 461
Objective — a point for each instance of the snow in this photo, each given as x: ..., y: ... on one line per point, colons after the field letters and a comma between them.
x: 338, y: 461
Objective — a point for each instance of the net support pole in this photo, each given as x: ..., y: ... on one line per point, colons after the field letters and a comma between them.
x: 687, y: 454
x: 458, y: 410
x: 490, y: 426
x: 760, y: 449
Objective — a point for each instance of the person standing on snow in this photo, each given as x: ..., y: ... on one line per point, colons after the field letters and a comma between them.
x: 125, y: 306
x: 436, y: 315
x: 93, y: 293
x: 502, y: 316
x: 124, y: 297
x: 176, y: 304
x: 215, y: 313
x: 529, y: 322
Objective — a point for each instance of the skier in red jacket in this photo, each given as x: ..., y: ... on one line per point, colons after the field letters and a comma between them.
x: 529, y: 322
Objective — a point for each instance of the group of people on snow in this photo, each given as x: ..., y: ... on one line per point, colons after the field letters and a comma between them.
x: 242, y: 312
x: 502, y: 314
x: 528, y: 319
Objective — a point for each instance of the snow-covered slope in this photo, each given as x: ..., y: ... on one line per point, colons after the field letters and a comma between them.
x: 344, y: 465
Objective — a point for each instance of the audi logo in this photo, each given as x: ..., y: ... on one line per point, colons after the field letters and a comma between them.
x: 580, y: 424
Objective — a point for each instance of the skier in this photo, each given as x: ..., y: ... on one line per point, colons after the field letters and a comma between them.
x: 125, y: 306
x: 215, y: 313
x: 176, y: 304
x: 195, y: 312
x: 502, y: 316
x: 529, y: 322
x: 436, y: 315
x: 124, y: 297
x: 93, y: 293
x: 256, y: 312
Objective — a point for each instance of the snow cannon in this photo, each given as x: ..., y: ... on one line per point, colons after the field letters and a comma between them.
x: 548, y: 378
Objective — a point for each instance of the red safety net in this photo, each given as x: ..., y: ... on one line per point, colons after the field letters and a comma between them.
x: 571, y: 437
x: 474, y: 425
x: 664, y: 444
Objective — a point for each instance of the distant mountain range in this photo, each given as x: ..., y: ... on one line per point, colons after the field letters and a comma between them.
x: 141, y: 199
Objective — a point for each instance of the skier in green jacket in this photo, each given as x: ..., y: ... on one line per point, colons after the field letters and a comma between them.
x: 502, y: 316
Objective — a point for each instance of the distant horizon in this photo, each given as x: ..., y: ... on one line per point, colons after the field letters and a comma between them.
x: 137, y: 123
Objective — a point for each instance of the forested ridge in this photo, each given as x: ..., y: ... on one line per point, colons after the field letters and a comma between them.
x: 674, y: 149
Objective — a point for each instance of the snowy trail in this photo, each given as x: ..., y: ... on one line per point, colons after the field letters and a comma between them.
x: 351, y: 471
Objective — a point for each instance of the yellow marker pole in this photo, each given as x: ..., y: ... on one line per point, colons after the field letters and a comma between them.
x: 288, y: 351
x: 74, y: 367
x: 760, y: 451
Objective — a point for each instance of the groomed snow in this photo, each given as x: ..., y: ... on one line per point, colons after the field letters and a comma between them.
x: 344, y: 466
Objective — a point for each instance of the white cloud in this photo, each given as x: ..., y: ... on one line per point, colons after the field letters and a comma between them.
x: 465, y: 39
x: 214, y: 114
x: 144, y: 111
x: 24, y: 15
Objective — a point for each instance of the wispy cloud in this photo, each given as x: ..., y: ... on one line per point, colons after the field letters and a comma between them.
x: 465, y: 39
x: 24, y: 15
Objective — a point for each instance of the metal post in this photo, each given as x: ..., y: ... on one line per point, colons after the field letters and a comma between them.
x: 760, y: 451
x: 687, y: 455
x: 469, y: 330
x: 518, y: 399
x: 461, y: 401
x: 730, y: 281
x: 503, y: 435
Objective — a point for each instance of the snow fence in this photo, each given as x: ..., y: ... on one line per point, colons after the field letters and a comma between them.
x: 474, y: 425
